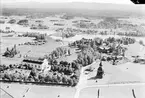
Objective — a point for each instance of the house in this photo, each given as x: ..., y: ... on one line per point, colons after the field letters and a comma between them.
x: 37, y: 63
x: 104, y: 49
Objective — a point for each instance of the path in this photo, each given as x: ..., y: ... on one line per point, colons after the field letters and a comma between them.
x: 6, y: 93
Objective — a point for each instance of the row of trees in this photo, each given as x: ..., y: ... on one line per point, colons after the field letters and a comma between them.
x: 6, y: 31
x: 65, y: 67
x: 58, y: 52
x: 133, y: 33
x: 122, y: 40
x: 37, y: 36
x: 40, y: 26
x: 50, y: 77
x: 63, y: 73
x: 12, y: 21
x: 58, y: 78
x: 83, y: 24
x: 126, y: 40
x: 94, y: 43
x: 66, y: 33
x: 23, y: 22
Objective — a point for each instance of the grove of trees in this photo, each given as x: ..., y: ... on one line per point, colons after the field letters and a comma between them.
x: 92, y: 49
x: 37, y: 36
x: 10, y: 52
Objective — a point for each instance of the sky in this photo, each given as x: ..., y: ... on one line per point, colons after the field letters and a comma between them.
x: 62, y: 1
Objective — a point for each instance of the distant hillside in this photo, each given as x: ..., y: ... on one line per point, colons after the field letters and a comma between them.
x: 75, y: 8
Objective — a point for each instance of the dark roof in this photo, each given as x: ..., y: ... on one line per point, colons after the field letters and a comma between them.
x: 32, y: 61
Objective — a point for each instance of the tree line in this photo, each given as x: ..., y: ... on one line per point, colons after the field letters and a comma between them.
x: 37, y: 36
x: 58, y: 52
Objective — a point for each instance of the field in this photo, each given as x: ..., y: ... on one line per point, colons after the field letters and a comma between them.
x: 32, y: 51
x: 124, y: 73
x: 114, y: 92
x: 35, y: 91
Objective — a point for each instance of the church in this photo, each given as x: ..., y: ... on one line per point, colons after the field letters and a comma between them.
x: 37, y: 63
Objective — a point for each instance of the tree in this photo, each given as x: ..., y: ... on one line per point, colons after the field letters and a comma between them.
x: 7, y: 76
x: 136, y: 58
x: 47, y: 78
x: 64, y: 79
x: 123, y: 51
x: 10, y: 53
x: 69, y: 52
x: 77, y: 73
x: 75, y: 81
x: 59, y: 77
x: 141, y: 43
x: 70, y: 82
x: 50, y: 77
x: 54, y: 79
x: 22, y: 22
x: 114, y: 58
x: 98, y: 41
x: 75, y: 65
x: 12, y: 21
x: 33, y: 72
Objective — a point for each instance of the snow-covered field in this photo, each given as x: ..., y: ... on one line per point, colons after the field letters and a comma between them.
x: 35, y: 91
x: 114, y: 92
x: 22, y: 29
x: 125, y: 73
x: 11, y: 41
x: 132, y: 20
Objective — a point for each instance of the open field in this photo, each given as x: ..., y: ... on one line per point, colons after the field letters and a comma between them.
x: 40, y: 51
x: 32, y: 51
x: 114, y: 92
x: 23, y: 29
x: 11, y: 41
x: 35, y: 91
x: 121, y: 74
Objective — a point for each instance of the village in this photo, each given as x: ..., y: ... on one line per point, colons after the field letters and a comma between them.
x: 72, y: 55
